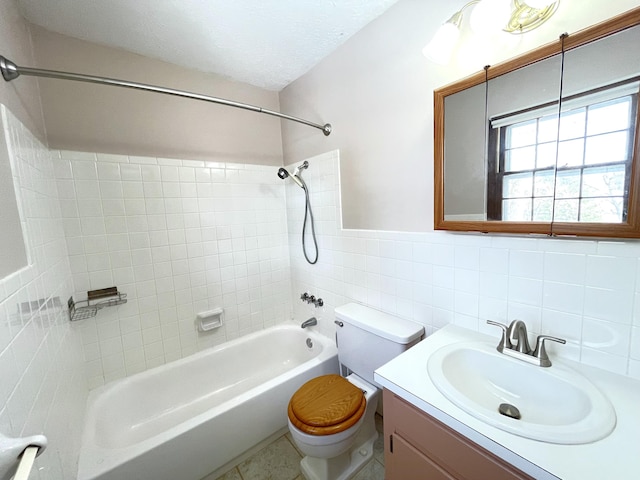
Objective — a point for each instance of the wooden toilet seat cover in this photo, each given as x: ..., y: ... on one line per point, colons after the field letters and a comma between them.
x: 326, y: 405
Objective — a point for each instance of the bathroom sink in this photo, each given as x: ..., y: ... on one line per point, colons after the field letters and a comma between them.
x: 554, y: 404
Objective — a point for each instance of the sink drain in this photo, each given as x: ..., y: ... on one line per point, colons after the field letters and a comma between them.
x: 509, y: 410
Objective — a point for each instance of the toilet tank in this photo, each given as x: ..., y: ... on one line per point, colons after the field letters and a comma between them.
x: 368, y: 338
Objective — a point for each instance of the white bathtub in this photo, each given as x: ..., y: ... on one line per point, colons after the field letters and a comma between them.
x: 188, y: 418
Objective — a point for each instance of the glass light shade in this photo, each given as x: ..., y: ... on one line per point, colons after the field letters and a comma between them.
x: 440, y: 48
x: 490, y: 16
x: 539, y: 4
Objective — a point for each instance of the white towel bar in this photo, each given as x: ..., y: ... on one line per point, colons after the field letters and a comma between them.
x: 26, y: 463
x: 17, y: 455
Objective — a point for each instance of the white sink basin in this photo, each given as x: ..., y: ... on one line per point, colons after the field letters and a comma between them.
x: 557, y: 404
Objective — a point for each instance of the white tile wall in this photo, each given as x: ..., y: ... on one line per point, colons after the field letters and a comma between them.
x: 178, y: 237
x: 586, y: 291
x: 42, y: 387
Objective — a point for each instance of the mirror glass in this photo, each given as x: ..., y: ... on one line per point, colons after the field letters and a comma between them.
x: 535, y: 145
x: 491, y: 171
x: 464, y: 125
x: 522, y: 128
x: 598, y: 128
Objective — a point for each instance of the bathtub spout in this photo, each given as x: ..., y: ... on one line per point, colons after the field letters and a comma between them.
x: 309, y: 323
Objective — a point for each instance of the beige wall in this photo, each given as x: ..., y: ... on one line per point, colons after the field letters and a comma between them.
x: 377, y: 91
x: 22, y: 96
x: 88, y: 117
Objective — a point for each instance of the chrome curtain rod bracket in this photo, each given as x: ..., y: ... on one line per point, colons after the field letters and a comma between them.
x: 11, y: 71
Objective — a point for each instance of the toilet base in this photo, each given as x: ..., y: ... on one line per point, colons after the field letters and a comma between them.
x: 342, y: 467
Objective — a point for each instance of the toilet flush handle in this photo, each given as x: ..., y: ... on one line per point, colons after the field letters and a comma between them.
x: 339, y: 323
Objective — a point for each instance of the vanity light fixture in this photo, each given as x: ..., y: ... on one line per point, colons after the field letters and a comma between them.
x: 512, y: 16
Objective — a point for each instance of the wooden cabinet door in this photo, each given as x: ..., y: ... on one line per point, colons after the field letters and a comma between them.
x: 443, y: 453
x: 407, y: 463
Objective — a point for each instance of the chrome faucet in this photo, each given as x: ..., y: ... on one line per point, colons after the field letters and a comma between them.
x: 515, y: 343
x: 308, y: 323
x: 517, y: 332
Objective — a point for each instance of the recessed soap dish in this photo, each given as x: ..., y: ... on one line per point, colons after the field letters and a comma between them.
x: 209, y: 320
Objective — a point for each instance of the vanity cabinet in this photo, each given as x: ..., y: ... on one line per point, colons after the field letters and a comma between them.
x: 419, y: 447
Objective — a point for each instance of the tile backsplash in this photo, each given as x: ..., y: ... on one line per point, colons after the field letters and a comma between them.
x: 42, y: 387
x: 178, y: 237
x: 586, y: 291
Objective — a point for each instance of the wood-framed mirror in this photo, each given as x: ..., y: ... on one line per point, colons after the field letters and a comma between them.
x: 545, y: 143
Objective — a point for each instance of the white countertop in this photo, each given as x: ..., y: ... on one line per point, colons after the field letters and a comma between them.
x: 616, y: 456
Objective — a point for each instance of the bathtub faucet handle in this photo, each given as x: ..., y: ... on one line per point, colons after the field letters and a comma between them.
x: 305, y: 297
x: 308, y: 323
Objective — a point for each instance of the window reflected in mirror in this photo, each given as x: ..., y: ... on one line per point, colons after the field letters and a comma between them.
x: 592, y: 146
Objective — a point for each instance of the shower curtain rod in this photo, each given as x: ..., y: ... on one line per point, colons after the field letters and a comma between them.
x: 11, y: 71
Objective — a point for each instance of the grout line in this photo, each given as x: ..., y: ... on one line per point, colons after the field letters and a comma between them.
x: 294, y: 445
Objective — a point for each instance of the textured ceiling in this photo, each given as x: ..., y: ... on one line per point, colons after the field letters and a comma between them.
x: 267, y: 43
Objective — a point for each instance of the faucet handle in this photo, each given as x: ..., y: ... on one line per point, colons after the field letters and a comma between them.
x: 504, y: 341
x: 541, y: 353
x: 304, y: 296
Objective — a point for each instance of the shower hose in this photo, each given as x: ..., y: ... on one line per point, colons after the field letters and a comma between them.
x: 308, y: 213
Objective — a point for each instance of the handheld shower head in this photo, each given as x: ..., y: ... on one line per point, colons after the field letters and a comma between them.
x: 283, y: 173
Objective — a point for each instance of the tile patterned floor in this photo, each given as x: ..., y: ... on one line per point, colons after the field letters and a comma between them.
x: 280, y: 460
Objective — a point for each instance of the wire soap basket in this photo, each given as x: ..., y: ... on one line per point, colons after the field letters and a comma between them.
x: 96, y: 300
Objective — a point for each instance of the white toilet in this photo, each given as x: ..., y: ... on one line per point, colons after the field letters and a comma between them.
x: 332, y: 418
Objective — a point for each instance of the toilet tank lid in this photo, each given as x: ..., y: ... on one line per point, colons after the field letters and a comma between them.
x: 379, y: 323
